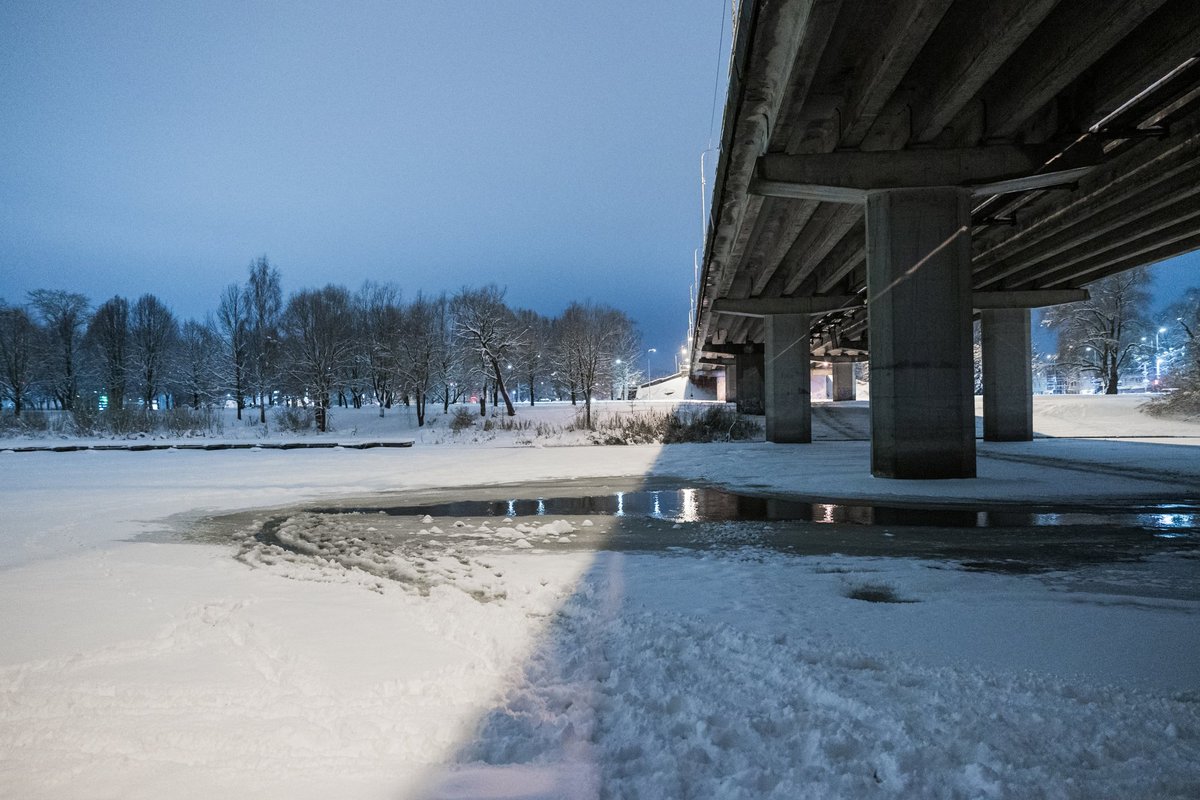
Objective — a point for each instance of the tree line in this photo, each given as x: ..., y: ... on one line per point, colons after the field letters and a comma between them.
x: 314, y: 348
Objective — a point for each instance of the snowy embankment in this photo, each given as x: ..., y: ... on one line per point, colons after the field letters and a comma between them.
x: 547, y: 423
x: 361, y: 656
x: 562, y: 423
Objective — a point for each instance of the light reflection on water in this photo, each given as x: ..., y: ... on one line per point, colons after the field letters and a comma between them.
x: 691, y: 509
x: 707, y: 504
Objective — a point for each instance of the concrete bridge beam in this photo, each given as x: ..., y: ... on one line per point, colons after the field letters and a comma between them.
x: 1007, y: 375
x: 788, y: 401
x: 919, y: 301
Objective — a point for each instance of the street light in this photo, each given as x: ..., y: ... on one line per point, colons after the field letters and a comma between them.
x: 648, y: 352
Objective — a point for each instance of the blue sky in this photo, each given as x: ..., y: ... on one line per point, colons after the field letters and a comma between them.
x: 552, y: 147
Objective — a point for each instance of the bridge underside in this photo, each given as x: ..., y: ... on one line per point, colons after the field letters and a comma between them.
x: 891, y: 171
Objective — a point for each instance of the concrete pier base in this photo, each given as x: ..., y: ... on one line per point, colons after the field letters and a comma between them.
x: 919, y: 300
x: 788, y: 401
x: 1007, y: 375
x: 843, y: 381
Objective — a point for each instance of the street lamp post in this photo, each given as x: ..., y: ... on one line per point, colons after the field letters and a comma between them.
x: 648, y: 352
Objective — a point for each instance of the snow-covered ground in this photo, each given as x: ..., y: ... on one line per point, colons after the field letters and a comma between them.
x: 150, y: 650
x: 561, y: 423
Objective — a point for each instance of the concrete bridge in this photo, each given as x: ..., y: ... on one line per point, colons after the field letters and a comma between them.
x: 891, y: 170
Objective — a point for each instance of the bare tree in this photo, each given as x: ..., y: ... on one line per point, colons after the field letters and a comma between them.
x: 355, y: 372
x: 381, y: 321
x: 1186, y: 313
x: 153, y: 332
x: 421, y: 346
x: 531, y: 356
x: 63, y: 315
x: 197, y: 364
x: 589, y: 339
x: 108, y: 343
x: 565, y: 371
x: 317, y: 336
x: 233, y: 328
x: 18, y: 342
x: 486, y: 325
x: 263, y: 302
x: 626, y: 353
x: 450, y: 356
x: 1100, y: 335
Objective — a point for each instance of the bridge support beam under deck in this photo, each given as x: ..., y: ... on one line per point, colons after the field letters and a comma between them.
x: 919, y: 302
x: 1007, y: 375
x: 843, y: 380
x: 788, y: 398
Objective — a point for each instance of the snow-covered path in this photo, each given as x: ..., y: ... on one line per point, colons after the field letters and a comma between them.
x: 134, y: 665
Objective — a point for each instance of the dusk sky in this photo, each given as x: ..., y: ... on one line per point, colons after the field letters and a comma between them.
x: 546, y: 146
x: 550, y: 147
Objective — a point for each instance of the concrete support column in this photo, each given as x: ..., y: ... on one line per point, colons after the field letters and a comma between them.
x: 919, y: 302
x: 843, y: 380
x: 1007, y: 375
x: 730, y: 383
x: 749, y: 383
x: 788, y: 394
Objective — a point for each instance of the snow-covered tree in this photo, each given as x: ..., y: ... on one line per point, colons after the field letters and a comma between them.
x: 19, y: 336
x: 531, y: 358
x: 63, y: 316
x: 1102, y: 335
x: 626, y: 355
x: 233, y: 329
x: 263, y: 303
x: 107, y: 342
x: 487, y: 327
x: 197, y: 367
x: 1185, y: 314
x: 380, y: 318
x: 590, y: 337
x: 421, y: 346
x: 152, y: 335
x: 450, y: 356
x: 318, y: 327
